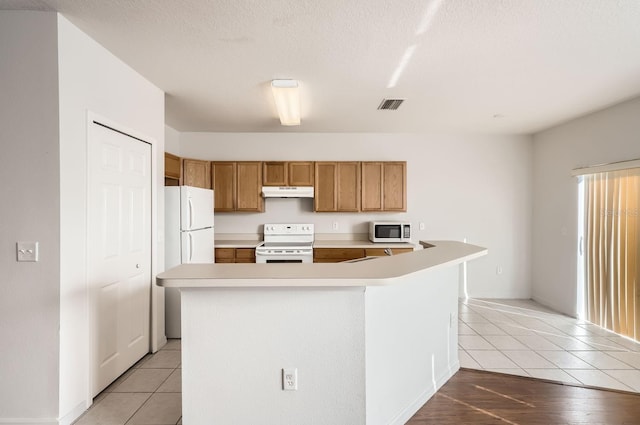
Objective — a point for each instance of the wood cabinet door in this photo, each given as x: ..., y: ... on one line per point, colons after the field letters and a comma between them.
x: 348, y: 186
x: 223, y: 176
x: 394, y: 186
x: 325, y: 197
x: 196, y: 173
x: 274, y: 174
x: 249, y: 187
x: 300, y: 173
x: 245, y: 255
x: 372, y: 175
x: 225, y: 255
x: 384, y: 186
x: 379, y: 252
x: 336, y: 255
x: 172, y: 168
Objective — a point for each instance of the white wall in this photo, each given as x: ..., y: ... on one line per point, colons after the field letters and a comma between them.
x: 236, y: 341
x: 29, y: 292
x: 171, y: 140
x: 606, y: 136
x: 92, y: 79
x: 412, y: 342
x: 474, y: 187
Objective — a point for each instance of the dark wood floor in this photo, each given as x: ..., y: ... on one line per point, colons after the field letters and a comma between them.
x: 479, y: 398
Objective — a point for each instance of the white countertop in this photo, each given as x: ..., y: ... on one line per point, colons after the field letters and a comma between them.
x: 322, y: 243
x: 359, y: 243
x: 237, y: 243
x: 379, y: 271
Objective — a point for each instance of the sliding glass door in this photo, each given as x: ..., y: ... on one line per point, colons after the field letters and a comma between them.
x: 611, y: 206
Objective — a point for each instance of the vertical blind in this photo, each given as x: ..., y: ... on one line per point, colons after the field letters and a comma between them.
x: 612, y: 207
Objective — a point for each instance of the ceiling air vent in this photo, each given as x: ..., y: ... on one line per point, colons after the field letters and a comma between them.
x: 390, y: 104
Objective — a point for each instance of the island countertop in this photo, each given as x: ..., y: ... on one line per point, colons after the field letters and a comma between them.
x: 373, y: 272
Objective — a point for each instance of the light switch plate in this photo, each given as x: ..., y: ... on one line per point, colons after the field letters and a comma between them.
x: 27, y: 251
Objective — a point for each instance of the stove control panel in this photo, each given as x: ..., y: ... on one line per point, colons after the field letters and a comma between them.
x: 288, y: 229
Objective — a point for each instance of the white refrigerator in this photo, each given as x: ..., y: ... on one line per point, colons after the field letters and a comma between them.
x: 189, y: 238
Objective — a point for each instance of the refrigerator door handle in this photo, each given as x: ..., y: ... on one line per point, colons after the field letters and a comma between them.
x: 190, y: 214
x: 190, y: 247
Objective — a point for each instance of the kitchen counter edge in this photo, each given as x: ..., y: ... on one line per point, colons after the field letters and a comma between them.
x: 349, y: 243
x: 237, y: 243
x: 380, y: 271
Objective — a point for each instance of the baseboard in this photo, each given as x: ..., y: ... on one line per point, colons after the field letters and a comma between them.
x: 552, y: 305
x: 74, y: 414
x: 406, y: 413
x: 161, y: 343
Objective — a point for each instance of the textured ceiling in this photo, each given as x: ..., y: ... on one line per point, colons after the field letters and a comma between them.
x: 480, y: 66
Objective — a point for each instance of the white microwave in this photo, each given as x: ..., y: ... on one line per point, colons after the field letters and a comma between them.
x: 389, y: 231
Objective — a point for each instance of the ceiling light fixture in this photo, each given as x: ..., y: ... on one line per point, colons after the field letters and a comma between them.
x: 287, y: 96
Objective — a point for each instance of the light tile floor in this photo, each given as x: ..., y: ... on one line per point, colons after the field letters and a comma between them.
x: 521, y: 337
x: 148, y: 393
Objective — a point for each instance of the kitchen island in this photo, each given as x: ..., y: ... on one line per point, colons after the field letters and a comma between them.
x: 371, y: 341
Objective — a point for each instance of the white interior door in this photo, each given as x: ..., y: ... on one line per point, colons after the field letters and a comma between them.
x: 119, y: 252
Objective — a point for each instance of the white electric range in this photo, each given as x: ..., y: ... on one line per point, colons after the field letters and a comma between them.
x: 286, y: 243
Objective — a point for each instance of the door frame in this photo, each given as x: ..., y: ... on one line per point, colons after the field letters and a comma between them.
x: 156, y: 321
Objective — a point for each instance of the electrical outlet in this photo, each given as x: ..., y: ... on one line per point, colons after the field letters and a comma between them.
x: 27, y: 251
x: 335, y: 225
x: 421, y: 226
x: 499, y: 270
x: 290, y: 379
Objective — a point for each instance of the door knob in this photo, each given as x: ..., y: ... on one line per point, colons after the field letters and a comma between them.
x: 137, y: 266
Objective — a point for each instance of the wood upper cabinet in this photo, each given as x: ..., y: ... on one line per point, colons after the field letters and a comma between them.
x: 384, y: 186
x: 325, y: 198
x: 249, y: 187
x: 237, y: 186
x: 196, y: 173
x: 348, y: 186
x: 337, y: 187
x: 287, y: 173
x: 172, y: 169
x: 300, y: 173
x: 223, y: 178
x: 274, y: 174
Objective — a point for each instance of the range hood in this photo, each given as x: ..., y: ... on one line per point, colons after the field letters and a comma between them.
x: 287, y: 191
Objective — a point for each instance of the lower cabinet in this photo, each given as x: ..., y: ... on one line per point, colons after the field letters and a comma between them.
x: 379, y: 252
x: 337, y: 255
x: 245, y: 255
x: 320, y: 255
x: 235, y: 255
x: 225, y: 255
